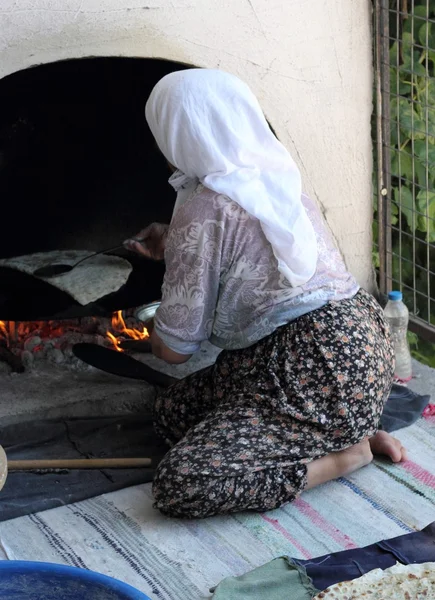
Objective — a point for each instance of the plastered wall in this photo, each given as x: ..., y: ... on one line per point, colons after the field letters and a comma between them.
x: 309, y: 62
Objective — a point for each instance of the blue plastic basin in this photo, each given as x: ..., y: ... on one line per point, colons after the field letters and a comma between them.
x: 26, y: 580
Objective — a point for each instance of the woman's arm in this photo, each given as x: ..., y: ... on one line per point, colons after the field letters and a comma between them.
x: 192, y: 250
x: 150, y: 242
x: 162, y: 351
x: 190, y: 291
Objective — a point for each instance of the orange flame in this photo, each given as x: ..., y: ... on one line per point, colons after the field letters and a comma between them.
x: 118, y: 325
x: 11, y: 331
x: 115, y: 341
x: 4, y: 331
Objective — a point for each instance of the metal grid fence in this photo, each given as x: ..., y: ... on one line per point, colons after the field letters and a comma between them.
x: 404, y: 131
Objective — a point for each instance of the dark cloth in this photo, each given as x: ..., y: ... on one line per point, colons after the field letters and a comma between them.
x: 107, y: 437
x: 403, y: 408
x: 27, y: 493
x: 411, y: 548
x: 244, y: 430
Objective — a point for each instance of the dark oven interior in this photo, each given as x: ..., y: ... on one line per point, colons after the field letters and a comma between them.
x: 79, y: 170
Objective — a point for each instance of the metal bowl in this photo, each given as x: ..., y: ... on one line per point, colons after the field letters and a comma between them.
x: 146, y: 313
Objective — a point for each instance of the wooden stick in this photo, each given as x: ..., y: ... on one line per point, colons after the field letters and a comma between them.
x: 79, y: 463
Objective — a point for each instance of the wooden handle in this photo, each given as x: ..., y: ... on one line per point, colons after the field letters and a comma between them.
x: 3, y: 468
x: 79, y: 463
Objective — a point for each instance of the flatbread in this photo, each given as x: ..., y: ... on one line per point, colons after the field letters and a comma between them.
x: 93, y: 279
x: 401, y: 582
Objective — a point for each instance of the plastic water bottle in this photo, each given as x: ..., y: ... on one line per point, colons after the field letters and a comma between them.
x: 397, y: 315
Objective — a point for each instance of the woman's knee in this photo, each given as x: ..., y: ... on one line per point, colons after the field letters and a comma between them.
x: 179, y: 495
x: 180, y: 490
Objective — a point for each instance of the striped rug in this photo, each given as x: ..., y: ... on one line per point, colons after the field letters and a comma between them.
x: 120, y: 534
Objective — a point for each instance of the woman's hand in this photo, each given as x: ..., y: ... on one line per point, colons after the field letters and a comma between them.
x: 149, y: 242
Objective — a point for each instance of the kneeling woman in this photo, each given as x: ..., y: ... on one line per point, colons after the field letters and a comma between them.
x: 295, y: 398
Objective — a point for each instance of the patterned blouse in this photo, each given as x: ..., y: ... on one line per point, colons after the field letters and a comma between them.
x: 222, y: 282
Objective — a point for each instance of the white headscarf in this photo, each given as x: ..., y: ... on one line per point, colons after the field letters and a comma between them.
x: 209, y: 125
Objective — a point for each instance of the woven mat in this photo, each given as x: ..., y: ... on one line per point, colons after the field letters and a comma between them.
x: 121, y: 535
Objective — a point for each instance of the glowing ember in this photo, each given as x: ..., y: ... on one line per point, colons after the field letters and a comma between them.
x: 14, y: 334
x: 52, y: 342
x: 4, y: 331
x: 118, y: 325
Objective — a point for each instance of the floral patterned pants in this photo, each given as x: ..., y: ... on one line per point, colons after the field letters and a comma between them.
x: 243, y: 430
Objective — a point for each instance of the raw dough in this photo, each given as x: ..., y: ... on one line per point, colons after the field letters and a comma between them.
x: 93, y: 279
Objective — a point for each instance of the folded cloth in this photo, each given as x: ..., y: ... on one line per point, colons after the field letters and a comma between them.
x: 302, y: 579
x: 403, y: 408
x: 278, y: 579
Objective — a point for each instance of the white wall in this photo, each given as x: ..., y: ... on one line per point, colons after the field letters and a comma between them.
x: 308, y: 61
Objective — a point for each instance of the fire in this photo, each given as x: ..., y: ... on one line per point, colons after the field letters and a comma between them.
x: 8, y: 332
x: 15, y: 334
x: 118, y: 325
x: 115, y: 341
x: 3, y: 330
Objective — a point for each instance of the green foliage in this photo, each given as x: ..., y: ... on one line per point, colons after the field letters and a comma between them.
x: 412, y: 144
x: 421, y: 350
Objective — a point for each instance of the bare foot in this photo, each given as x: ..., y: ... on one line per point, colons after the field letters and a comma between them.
x: 384, y: 443
x: 338, y: 464
x: 355, y: 457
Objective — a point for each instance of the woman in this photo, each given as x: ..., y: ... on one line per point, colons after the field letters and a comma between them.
x: 295, y: 398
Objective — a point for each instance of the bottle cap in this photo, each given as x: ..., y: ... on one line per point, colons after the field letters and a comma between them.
x: 395, y: 296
